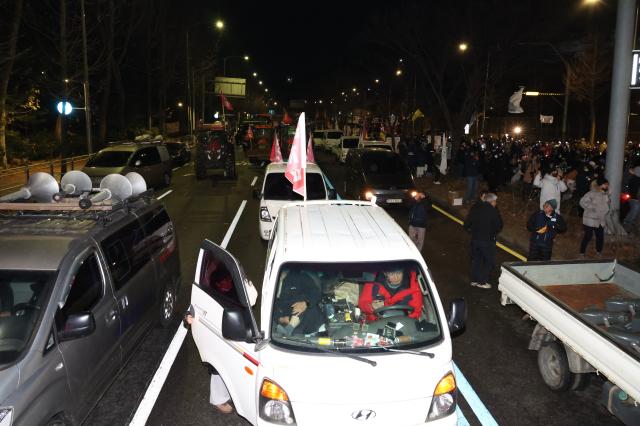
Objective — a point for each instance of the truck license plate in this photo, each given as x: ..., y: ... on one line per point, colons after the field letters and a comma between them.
x: 394, y: 201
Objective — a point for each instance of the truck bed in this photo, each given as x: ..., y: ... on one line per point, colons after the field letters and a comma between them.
x: 557, y: 294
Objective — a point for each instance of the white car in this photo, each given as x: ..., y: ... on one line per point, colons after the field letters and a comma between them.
x: 375, y: 144
x: 346, y: 143
x: 332, y: 139
x: 277, y: 191
x: 335, y: 362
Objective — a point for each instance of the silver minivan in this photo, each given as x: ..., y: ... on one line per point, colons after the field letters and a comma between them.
x: 76, y: 297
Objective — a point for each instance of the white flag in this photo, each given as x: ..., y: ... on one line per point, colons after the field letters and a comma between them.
x: 514, y: 102
x: 546, y: 119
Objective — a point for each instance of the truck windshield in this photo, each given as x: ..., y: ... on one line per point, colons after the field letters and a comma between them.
x: 23, y: 296
x: 278, y: 187
x: 354, y: 307
x: 109, y: 159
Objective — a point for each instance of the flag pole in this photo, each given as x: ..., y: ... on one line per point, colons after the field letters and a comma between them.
x: 224, y: 118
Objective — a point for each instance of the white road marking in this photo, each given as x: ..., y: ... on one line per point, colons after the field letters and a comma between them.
x: 153, y: 391
x: 253, y: 182
x: 175, y: 168
x: 188, y: 174
x: 165, y: 194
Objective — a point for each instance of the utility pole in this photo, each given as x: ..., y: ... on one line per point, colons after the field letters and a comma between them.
x: 85, y: 82
x: 484, y: 101
x: 619, y: 104
x: 64, y: 81
x: 188, y: 97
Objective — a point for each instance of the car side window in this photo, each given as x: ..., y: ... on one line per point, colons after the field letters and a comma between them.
x: 86, y: 288
x: 126, y: 253
x: 217, y: 282
x: 158, y: 230
x: 147, y: 157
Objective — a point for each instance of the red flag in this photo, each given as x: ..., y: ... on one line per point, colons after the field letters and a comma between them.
x: 287, y: 118
x: 310, y: 157
x: 297, y: 165
x: 276, y: 154
x: 250, y: 133
x: 225, y: 102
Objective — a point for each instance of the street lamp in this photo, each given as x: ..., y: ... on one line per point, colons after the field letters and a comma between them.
x: 246, y: 57
x: 376, y: 81
x: 517, y: 130
x: 180, y: 104
x: 219, y: 24
x: 260, y: 83
x: 398, y: 72
x: 255, y: 74
x: 463, y: 47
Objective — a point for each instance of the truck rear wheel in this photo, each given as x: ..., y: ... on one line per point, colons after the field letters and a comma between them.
x: 554, y: 367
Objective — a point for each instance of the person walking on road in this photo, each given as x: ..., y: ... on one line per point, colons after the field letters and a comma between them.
x: 484, y: 222
x: 596, y: 205
x: 471, y: 172
x: 544, y: 225
x: 418, y: 219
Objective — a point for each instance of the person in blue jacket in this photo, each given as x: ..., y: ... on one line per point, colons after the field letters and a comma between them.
x: 544, y: 225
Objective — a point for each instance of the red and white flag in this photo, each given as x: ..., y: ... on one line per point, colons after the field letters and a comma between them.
x: 225, y: 102
x: 276, y: 154
x: 297, y: 165
x: 310, y: 157
x: 287, y: 118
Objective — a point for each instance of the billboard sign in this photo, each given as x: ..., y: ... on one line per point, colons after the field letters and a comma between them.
x: 231, y: 87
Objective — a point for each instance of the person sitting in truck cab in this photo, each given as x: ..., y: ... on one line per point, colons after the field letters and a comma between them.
x: 296, y: 309
x: 396, y: 288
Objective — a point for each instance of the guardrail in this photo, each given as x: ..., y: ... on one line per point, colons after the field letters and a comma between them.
x: 17, y: 176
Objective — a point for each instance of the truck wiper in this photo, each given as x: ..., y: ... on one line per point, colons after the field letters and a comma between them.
x: 348, y: 355
x: 408, y: 351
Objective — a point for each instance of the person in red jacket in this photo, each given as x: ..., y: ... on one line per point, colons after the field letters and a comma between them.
x: 397, y: 288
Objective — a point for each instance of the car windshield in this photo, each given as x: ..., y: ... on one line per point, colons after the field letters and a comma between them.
x: 278, y: 187
x: 334, y: 135
x: 354, y: 307
x: 382, y: 163
x: 23, y: 296
x: 350, y: 142
x: 109, y: 159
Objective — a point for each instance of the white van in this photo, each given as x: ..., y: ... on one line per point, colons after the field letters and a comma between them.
x: 319, y: 139
x: 332, y: 139
x: 278, y: 191
x: 346, y: 143
x: 339, y: 362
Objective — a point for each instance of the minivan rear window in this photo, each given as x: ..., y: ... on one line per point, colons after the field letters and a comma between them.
x: 382, y: 163
x: 23, y: 298
x: 278, y: 187
x: 350, y: 142
x: 109, y: 159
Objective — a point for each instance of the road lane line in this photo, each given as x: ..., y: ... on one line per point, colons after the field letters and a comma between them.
x: 164, y: 195
x: 155, y: 386
x: 253, y: 182
x: 175, y: 168
x: 472, y: 398
x: 462, y: 420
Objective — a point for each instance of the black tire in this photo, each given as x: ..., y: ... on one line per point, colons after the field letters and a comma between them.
x: 580, y: 381
x: 200, y: 166
x: 167, y: 305
x: 554, y: 367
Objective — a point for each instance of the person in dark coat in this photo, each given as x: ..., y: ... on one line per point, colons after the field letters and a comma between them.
x: 418, y: 219
x: 544, y: 225
x: 485, y: 223
x: 297, y: 310
x: 471, y: 172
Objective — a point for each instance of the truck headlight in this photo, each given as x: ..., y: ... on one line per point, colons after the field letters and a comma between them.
x: 6, y: 415
x: 368, y: 195
x: 443, y: 402
x: 275, y: 406
x: 264, y: 214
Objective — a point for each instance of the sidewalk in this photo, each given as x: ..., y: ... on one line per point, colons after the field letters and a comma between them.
x: 515, y: 211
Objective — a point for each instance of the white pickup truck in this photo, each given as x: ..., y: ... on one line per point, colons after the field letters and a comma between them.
x: 586, y: 315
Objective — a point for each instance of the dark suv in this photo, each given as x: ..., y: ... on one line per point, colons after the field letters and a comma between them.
x: 78, y: 292
x: 214, y: 151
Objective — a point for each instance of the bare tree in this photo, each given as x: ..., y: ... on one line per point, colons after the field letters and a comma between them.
x: 6, y: 76
x: 587, y: 75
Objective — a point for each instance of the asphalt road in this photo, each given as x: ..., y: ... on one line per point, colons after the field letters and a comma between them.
x: 492, y: 352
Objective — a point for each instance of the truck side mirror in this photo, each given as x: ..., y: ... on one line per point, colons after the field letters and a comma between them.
x: 457, y: 319
x: 332, y: 194
x: 256, y: 194
x: 77, y: 325
x: 234, y: 326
